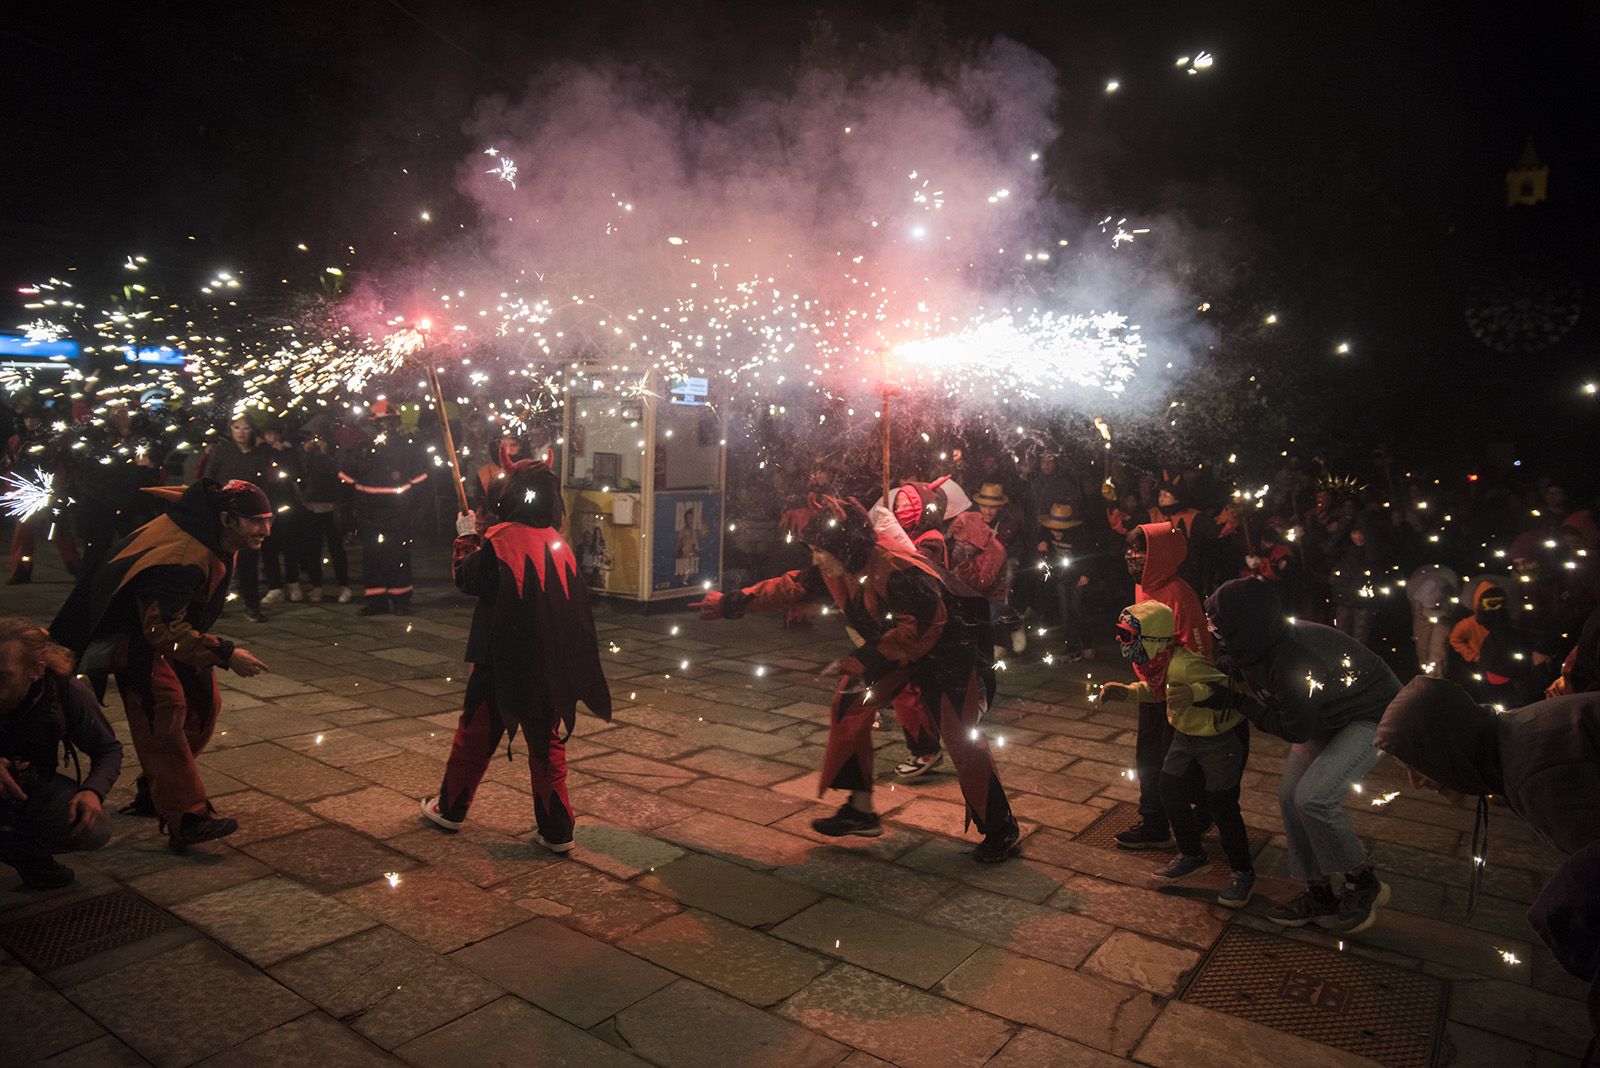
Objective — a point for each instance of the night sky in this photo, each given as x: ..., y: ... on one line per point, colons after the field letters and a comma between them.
x: 1344, y: 166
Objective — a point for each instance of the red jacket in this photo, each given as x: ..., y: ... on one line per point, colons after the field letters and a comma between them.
x: 1166, y: 548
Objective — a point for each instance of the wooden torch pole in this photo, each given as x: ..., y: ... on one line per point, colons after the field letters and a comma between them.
x: 449, y: 438
x: 885, y: 433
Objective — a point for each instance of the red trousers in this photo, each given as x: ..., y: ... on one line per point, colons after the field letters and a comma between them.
x: 172, y: 710
x: 23, y: 539
x: 952, y: 712
x: 477, y: 737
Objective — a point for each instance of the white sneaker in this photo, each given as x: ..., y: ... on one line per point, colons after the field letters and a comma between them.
x: 431, y: 813
x: 554, y: 847
x: 272, y: 596
x: 314, y: 595
x: 1019, y: 640
x: 346, y: 595
x: 296, y: 594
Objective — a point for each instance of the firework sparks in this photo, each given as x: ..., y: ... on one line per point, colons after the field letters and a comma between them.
x: 505, y: 168
x: 1384, y: 798
x: 24, y: 496
x: 1099, y: 350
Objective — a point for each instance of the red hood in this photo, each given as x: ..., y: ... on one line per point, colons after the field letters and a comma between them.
x: 1166, y: 549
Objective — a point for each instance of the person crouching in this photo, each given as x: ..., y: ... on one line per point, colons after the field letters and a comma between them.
x: 42, y: 709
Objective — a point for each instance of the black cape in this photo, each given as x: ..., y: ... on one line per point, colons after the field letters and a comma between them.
x: 534, y: 628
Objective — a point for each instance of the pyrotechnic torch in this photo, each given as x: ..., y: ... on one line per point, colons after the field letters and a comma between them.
x: 888, y: 391
x: 423, y: 326
x: 1105, y: 433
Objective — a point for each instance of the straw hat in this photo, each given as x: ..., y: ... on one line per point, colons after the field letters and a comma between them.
x: 992, y: 494
x: 1060, y: 517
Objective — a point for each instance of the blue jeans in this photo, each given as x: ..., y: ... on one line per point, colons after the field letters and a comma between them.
x: 1316, y: 779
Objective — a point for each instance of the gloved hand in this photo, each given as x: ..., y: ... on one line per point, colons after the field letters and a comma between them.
x: 710, y: 605
x: 466, y: 523
x: 1115, y: 691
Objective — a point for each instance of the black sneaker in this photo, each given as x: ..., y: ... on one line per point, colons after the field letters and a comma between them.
x: 1144, y: 836
x: 44, y: 873
x: 195, y: 828
x: 255, y: 615
x: 1358, y: 907
x: 1314, y: 905
x: 848, y: 821
x: 1000, y: 844
x: 141, y: 805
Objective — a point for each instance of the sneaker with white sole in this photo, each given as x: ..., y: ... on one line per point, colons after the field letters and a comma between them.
x: 431, y: 813
x: 346, y: 594
x: 1019, y: 641
x: 272, y: 596
x: 296, y: 594
x: 314, y: 595
x: 1181, y: 867
x: 554, y: 847
x: 849, y: 821
x: 1236, y: 895
x: 914, y: 765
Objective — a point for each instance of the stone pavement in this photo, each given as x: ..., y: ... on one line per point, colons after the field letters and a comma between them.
x: 700, y: 922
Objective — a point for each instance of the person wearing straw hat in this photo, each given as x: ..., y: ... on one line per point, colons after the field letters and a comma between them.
x: 1065, y: 544
x: 995, y: 507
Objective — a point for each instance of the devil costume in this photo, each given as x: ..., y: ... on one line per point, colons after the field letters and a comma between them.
x: 919, y: 508
x: 532, y: 647
x: 922, y: 627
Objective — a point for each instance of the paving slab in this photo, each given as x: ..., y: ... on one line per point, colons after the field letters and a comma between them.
x: 689, y: 1026
x: 510, y: 1033
x: 578, y: 978
x: 38, y: 1019
x: 286, y: 1046
x: 1020, y: 926
x: 195, y: 980
x: 1031, y: 1048
x: 339, y: 746
x: 102, y: 1052
x: 204, y: 869
x: 1167, y: 916
x: 1025, y: 878
x: 620, y: 851
x: 436, y: 907
x: 480, y: 855
x: 374, y: 810
x: 329, y: 859
x: 1188, y: 1036
x: 1092, y: 1011
x: 1135, y: 960
x: 744, y: 843
x: 586, y: 900
x: 729, y: 890
x: 753, y: 803
x: 751, y: 966
x: 890, y: 945
x: 901, y: 1024
x: 1516, y: 1011
x: 271, y: 919
x: 389, y: 988
x: 740, y: 767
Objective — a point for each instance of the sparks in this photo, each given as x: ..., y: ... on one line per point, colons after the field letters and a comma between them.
x: 1384, y: 798
x: 25, y: 496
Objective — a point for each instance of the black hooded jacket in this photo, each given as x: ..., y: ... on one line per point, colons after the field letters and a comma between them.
x: 1543, y: 758
x: 1311, y: 680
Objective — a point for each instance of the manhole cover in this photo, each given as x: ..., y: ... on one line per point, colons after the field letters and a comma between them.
x: 77, y: 931
x: 1102, y: 834
x: 1338, y: 999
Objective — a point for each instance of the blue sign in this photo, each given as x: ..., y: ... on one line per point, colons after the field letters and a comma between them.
x: 26, y: 348
x: 165, y: 355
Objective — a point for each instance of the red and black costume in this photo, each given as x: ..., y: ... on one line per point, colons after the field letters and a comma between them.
x: 145, y: 614
x: 532, y: 647
x: 919, y: 508
x: 923, y: 628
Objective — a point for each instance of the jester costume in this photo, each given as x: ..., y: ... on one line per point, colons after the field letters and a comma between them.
x: 919, y: 508
x: 532, y: 647
x: 922, y: 627
x: 144, y: 615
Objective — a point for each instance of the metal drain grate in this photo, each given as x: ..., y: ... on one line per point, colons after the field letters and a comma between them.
x: 77, y: 931
x: 1338, y: 999
x: 1102, y: 834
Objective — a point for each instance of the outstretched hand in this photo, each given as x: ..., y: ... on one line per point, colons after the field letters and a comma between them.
x: 245, y: 664
x: 1115, y: 691
x: 710, y: 605
x: 466, y: 523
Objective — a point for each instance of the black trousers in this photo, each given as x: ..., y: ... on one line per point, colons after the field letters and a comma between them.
x: 386, y: 524
x: 32, y: 830
x: 319, y: 530
x: 1221, y: 761
x: 1149, y: 753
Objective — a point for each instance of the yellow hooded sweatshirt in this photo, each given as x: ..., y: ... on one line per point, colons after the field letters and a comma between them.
x: 1197, y: 690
